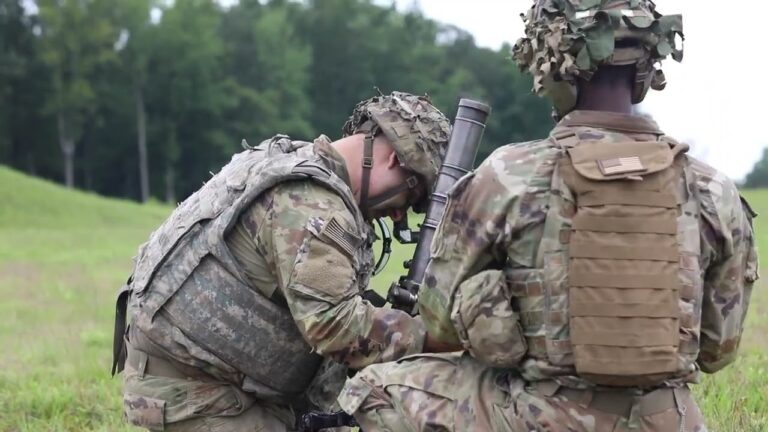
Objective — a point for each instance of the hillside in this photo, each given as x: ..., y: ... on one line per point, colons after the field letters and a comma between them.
x: 30, y: 202
x: 63, y: 254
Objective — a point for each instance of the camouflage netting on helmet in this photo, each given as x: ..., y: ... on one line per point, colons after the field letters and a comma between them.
x: 570, y: 39
x: 418, y: 131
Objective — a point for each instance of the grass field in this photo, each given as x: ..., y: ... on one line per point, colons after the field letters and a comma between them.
x: 63, y: 254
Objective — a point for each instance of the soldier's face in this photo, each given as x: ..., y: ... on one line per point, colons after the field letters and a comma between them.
x: 386, y: 177
x: 394, y: 208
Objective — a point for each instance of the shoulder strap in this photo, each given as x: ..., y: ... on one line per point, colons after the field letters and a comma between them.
x: 312, y: 169
x: 563, y: 138
x: 118, y: 337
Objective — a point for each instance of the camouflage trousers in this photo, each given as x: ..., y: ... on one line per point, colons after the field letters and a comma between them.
x: 453, y: 392
x: 173, y: 404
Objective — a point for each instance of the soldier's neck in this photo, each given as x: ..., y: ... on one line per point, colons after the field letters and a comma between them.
x: 350, y: 150
x: 605, y: 98
x: 609, y: 89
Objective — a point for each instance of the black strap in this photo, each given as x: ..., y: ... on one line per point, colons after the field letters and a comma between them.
x: 314, y: 421
x: 118, y: 341
x: 367, y: 203
x: 374, y: 297
x: 410, y: 183
x: 366, y: 175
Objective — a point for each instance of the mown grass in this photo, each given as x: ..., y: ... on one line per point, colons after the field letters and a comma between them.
x: 63, y: 254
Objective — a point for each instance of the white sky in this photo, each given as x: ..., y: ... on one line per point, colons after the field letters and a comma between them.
x: 715, y: 100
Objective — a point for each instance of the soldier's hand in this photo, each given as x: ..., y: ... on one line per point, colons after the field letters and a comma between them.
x: 432, y: 345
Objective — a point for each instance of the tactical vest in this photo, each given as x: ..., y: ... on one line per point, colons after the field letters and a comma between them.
x: 186, y: 280
x: 616, y: 275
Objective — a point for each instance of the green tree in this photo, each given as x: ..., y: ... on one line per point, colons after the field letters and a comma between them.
x: 342, y: 34
x: 170, y: 98
x: 132, y: 18
x: 358, y: 45
x: 270, y: 65
x: 759, y: 176
x: 24, y: 131
x: 518, y: 115
x: 13, y: 30
x: 188, y: 93
x: 76, y: 42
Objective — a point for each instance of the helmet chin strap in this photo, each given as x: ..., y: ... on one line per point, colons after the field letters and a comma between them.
x: 368, y: 203
x: 410, y: 183
x: 644, y: 74
x: 365, y: 181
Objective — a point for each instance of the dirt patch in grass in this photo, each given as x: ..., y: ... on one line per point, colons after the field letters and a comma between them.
x: 28, y: 274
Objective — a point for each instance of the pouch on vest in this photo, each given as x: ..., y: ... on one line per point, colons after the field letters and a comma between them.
x: 623, y: 283
x: 486, y: 322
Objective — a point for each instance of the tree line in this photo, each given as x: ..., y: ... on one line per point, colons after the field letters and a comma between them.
x: 143, y: 98
x: 758, y: 177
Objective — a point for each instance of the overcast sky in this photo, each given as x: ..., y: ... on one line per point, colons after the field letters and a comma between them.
x: 715, y: 100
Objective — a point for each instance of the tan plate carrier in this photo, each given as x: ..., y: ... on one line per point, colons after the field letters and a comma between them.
x: 623, y: 284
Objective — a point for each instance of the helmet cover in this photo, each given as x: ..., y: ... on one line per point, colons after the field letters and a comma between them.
x: 418, y: 131
x: 568, y: 40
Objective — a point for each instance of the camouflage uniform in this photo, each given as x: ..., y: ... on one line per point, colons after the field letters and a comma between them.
x: 279, y: 235
x: 277, y: 240
x: 485, y: 288
x: 547, y: 270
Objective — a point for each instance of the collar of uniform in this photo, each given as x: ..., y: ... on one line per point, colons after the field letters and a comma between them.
x: 331, y: 158
x: 611, y: 121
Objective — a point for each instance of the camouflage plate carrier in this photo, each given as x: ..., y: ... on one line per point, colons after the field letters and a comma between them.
x: 187, y: 290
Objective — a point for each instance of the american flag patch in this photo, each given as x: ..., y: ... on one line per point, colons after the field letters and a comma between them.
x: 620, y: 165
x: 336, y: 232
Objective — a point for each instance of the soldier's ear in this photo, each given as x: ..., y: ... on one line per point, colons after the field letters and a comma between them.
x: 392, y: 160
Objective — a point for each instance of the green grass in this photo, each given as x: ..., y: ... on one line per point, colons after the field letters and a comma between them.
x: 64, y: 253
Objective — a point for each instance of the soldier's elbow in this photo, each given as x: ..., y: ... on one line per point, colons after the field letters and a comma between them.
x: 714, y: 364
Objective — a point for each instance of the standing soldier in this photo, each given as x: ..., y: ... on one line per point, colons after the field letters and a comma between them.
x: 253, y: 278
x: 589, y: 277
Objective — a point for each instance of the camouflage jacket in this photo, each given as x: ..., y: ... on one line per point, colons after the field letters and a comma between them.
x: 301, y: 243
x: 494, y: 235
x: 278, y: 242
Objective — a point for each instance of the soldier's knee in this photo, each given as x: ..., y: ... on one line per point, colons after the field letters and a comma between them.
x: 384, y: 420
x: 365, y: 397
x: 144, y: 412
x: 363, y: 393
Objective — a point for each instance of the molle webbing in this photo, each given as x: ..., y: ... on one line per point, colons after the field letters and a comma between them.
x: 623, y: 281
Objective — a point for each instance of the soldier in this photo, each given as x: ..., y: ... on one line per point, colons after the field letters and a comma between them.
x: 253, y: 278
x: 588, y: 277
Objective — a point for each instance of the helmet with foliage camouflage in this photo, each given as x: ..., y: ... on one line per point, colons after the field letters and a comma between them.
x: 417, y: 130
x: 569, y: 39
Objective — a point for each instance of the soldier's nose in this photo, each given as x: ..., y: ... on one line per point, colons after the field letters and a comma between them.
x: 396, y: 215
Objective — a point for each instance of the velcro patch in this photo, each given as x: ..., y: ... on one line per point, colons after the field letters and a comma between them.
x: 336, y: 231
x: 621, y: 165
x: 326, y: 273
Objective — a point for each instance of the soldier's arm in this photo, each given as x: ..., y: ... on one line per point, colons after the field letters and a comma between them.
x: 477, y: 229
x: 729, y: 279
x: 317, y: 276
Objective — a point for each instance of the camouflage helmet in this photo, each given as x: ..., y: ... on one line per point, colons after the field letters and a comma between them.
x: 569, y: 39
x: 417, y: 130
